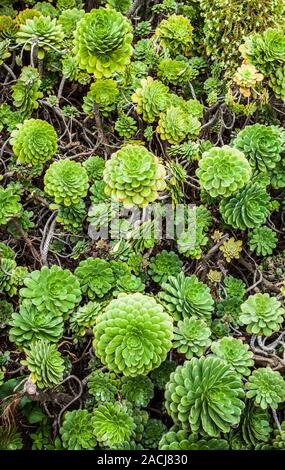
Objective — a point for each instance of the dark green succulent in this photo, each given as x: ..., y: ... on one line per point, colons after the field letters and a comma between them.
x: 76, y: 432
x: 137, y: 390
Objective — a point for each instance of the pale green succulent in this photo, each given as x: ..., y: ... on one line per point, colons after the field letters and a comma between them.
x: 262, y: 314
x: 235, y: 353
x: 103, y: 40
x: 191, y: 337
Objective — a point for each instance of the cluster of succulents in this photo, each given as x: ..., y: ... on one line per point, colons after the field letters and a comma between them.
x: 142, y: 191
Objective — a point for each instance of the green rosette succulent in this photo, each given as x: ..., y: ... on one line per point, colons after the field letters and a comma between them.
x: 133, y: 175
x: 103, y: 40
x: 266, y: 387
x: 129, y: 283
x: 249, y: 208
x: 9, y: 204
x: 11, y: 276
x: 103, y: 386
x: 223, y: 171
x: 176, y: 34
x: 41, y: 31
x: 191, y: 337
x: 26, y: 91
x: 164, y: 264
x: 53, y: 290
x: 120, y: 5
x: 112, y: 424
x: 68, y: 19
x: 126, y: 126
x: 66, y: 181
x: 153, y: 432
x: 262, y: 240
x: 104, y: 94
x: 175, y: 72
x: 277, y: 81
x: 235, y: 353
x: 76, y: 432
x: 255, y: 425
x: 175, y: 439
x: 133, y: 335
x: 205, y: 395
x: 30, y: 325
x: 175, y: 125
x: 261, y: 145
x: 94, y: 166
x: 278, y: 441
x: 191, y: 243
x: 137, y: 390
x: 185, y: 296
x: 44, y: 363
x: 34, y: 141
x: 6, y: 310
x: 72, y: 217
x: 152, y: 98
x: 95, y: 276
x: 265, y: 50
x: 262, y: 314
x: 10, y: 438
x: 85, y: 317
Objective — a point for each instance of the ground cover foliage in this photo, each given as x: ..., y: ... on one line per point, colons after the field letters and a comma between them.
x: 132, y: 341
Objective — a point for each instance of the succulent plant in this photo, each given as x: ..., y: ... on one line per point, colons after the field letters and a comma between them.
x: 85, y: 317
x: 277, y: 80
x: 9, y: 204
x: 94, y: 166
x: 262, y: 314
x: 112, y: 424
x: 262, y: 240
x: 185, y: 296
x: 261, y: 145
x: 175, y: 72
x: 104, y: 94
x: 103, y: 386
x: 278, y: 441
x: 103, y: 42
x: 191, y: 337
x: 44, y: 363
x: 133, y: 175
x: 8, y: 28
x: 76, y: 432
x: 175, y: 125
x: 53, y: 290
x: 11, y: 276
x: 66, y: 181
x: 164, y: 264
x: 128, y: 283
x: 137, y: 390
x: 266, y: 387
x: 235, y: 353
x: 248, y: 208
x: 246, y: 77
x: 68, y: 20
x: 10, y: 438
x: 72, y: 217
x: 255, y: 424
x: 224, y: 29
x: 95, y: 276
x: 42, y: 31
x: 223, y: 171
x: 26, y: 91
x: 126, y: 126
x: 34, y: 141
x: 265, y: 50
x: 214, y: 396
x: 30, y: 325
x: 133, y: 335
x: 152, y: 99
x: 176, y: 35
x: 231, y: 249
x: 153, y: 432
x: 175, y: 439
